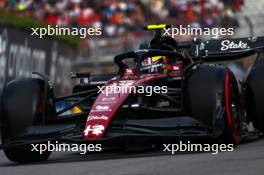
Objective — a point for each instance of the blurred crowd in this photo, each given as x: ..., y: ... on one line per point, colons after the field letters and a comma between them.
x: 118, y: 17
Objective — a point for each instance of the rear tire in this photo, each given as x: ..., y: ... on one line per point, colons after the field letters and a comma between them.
x: 205, y: 87
x: 255, y: 94
x: 22, y: 105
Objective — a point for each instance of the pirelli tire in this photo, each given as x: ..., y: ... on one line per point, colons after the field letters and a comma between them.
x: 255, y: 96
x: 205, y: 84
x: 22, y: 106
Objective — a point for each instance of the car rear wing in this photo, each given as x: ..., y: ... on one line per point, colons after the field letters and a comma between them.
x: 228, y: 49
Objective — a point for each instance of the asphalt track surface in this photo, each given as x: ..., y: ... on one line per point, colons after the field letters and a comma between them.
x: 247, y: 159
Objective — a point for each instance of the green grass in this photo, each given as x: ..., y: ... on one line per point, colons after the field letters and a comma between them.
x: 27, y: 22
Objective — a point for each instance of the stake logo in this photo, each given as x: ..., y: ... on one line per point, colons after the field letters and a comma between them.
x: 227, y: 44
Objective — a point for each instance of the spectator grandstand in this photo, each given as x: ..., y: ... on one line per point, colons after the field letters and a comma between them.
x: 118, y: 17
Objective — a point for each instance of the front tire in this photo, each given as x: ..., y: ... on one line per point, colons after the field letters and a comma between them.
x: 22, y: 106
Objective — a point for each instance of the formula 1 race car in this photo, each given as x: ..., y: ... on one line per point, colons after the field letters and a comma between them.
x: 163, y: 92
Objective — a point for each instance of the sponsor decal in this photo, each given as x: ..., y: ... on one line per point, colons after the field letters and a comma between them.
x: 108, y: 99
x: 102, y: 108
x: 98, y: 82
x: 176, y: 68
x: 103, y: 117
x: 95, y: 129
x: 124, y: 82
x: 227, y: 44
